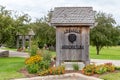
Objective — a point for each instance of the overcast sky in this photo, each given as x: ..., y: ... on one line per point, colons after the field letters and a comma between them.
x: 39, y: 8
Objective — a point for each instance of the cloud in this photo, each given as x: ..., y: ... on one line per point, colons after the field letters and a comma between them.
x: 39, y: 8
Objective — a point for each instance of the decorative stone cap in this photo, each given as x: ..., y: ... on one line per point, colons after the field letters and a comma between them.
x: 70, y: 16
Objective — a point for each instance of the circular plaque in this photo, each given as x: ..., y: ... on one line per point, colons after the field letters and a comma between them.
x: 72, y: 37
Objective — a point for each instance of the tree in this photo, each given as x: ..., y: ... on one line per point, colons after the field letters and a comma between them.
x: 6, y: 22
x: 104, y: 33
x: 10, y: 26
x: 45, y: 34
x: 20, y: 26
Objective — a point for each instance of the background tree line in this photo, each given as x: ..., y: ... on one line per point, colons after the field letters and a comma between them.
x: 11, y: 24
x: 105, y: 33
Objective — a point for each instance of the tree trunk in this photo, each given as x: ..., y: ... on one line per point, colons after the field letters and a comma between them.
x: 98, y: 50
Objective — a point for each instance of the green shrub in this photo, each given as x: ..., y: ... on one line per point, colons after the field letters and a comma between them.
x: 47, y: 56
x: 43, y: 65
x: 53, y: 71
x: 32, y: 63
x: 33, y: 50
x: 32, y: 68
x: 89, y: 69
x: 117, y: 68
x: 100, y: 69
x: 75, y: 67
x: 110, y: 67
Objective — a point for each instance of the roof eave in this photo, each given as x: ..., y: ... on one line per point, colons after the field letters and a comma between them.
x: 72, y: 24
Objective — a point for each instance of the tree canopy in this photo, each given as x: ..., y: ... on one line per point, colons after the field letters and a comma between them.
x: 45, y: 34
x: 104, y: 33
x: 11, y: 25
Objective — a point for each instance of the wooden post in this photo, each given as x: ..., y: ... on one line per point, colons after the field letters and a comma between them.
x: 17, y: 41
x: 23, y: 42
x: 58, y: 61
x: 29, y: 42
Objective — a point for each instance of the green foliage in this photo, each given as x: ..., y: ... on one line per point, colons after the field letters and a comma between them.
x: 47, y: 56
x: 100, y: 69
x: 10, y: 26
x: 6, y: 22
x: 45, y: 34
x: 32, y: 68
x: 43, y: 65
x: 110, y: 67
x: 53, y: 71
x: 38, y: 61
x: 104, y: 33
x: 117, y: 67
x: 33, y: 50
x: 32, y: 63
x: 89, y: 69
x: 75, y: 67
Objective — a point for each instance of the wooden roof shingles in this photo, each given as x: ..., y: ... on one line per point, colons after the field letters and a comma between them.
x: 73, y: 16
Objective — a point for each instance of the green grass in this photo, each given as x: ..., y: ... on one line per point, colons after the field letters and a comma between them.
x: 6, y: 48
x: 13, y: 49
x: 112, y: 53
x: 9, y: 68
x: 111, y: 76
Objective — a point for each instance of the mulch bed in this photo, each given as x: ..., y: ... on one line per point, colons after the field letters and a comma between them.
x: 28, y: 75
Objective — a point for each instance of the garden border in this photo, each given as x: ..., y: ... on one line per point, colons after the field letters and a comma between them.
x: 50, y: 77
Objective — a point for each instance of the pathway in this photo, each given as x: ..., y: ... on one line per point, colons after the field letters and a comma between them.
x: 102, y: 61
x: 69, y: 76
x: 17, y: 54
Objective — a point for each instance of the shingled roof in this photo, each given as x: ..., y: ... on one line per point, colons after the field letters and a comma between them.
x: 73, y: 16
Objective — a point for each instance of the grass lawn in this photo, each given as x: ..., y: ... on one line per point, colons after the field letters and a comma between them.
x: 112, y: 53
x: 9, y: 68
x: 111, y: 76
x: 6, y: 48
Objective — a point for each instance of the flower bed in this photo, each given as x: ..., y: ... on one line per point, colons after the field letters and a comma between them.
x: 98, y: 69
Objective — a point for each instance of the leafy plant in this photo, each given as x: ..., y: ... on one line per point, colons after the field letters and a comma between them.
x: 100, y: 69
x: 46, y: 56
x: 33, y: 59
x: 117, y: 67
x: 110, y: 67
x: 53, y: 71
x: 33, y: 50
x: 32, y: 68
x: 89, y: 69
x: 32, y: 63
x: 75, y: 67
x: 43, y: 65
